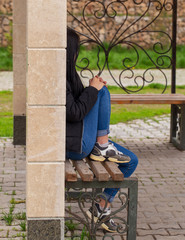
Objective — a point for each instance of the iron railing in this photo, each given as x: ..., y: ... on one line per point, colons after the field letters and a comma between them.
x: 138, y: 19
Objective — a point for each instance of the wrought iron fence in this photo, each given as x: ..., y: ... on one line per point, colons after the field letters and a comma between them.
x: 137, y: 25
x: 78, y: 225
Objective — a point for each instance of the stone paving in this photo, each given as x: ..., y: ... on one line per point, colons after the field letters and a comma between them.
x: 12, y: 189
x: 161, y: 203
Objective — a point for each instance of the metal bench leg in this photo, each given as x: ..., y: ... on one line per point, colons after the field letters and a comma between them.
x: 132, y: 211
x: 178, y: 126
x: 173, y: 124
x: 182, y: 128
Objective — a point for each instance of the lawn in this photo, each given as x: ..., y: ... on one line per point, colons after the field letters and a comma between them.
x: 120, y: 113
x: 116, y: 56
x: 5, y: 60
x: 128, y: 112
x: 6, y: 114
x: 118, y: 53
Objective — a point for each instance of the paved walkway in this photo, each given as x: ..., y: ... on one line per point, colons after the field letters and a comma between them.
x: 161, y: 205
x: 6, y: 78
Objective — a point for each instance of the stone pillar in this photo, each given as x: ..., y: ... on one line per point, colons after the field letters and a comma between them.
x: 19, y: 71
x: 45, y: 129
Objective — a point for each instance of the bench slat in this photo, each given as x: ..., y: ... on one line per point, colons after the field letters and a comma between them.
x: 113, y: 170
x: 70, y: 174
x: 98, y: 169
x: 147, y: 99
x: 83, y: 170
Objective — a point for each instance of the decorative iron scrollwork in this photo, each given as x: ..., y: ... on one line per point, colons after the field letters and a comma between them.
x: 93, y: 229
x: 135, y: 20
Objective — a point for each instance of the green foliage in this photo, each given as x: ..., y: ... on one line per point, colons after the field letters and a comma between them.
x: 154, y: 88
x: 13, y: 192
x: 71, y: 226
x: 124, y: 113
x: 6, y: 129
x: 20, y: 216
x: 120, y: 113
x: 23, y: 225
x: 6, y: 60
x: 116, y: 56
x: 85, y: 234
x: 128, y: 112
x: 6, y: 114
x: 7, y: 52
x: 119, y: 53
x: 9, y: 38
x: 8, y: 217
x: 180, y: 56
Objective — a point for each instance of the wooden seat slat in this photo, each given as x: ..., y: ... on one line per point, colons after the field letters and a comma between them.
x: 147, y: 99
x: 83, y: 170
x: 98, y: 169
x: 70, y: 174
x: 113, y: 170
x: 87, y: 170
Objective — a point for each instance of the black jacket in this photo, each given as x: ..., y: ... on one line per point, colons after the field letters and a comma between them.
x: 76, y: 110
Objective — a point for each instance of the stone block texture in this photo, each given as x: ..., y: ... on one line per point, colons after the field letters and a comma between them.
x: 45, y: 28
x: 45, y: 190
x: 46, y: 74
x: 45, y: 133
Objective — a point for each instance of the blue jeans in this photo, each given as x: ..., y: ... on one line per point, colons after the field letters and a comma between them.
x: 96, y: 123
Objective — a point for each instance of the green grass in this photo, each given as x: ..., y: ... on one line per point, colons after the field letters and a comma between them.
x: 6, y: 60
x: 119, y: 113
x: 124, y: 113
x: 6, y: 114
x: 128, y: 112
x: 118, y: 53
x: 154, y: 88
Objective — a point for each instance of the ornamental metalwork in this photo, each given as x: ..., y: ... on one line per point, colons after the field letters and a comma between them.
x: 79, y: 226
x: 143, y: 26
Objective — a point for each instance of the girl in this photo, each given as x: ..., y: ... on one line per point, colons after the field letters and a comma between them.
x: 87, y: 127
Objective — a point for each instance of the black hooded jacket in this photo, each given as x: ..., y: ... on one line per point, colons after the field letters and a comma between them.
x: 76, y: 109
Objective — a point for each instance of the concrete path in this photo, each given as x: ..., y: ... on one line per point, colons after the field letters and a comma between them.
x: 6, y: 78
x: 161, y: 205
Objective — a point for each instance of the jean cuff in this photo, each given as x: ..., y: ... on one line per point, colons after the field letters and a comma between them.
x: 108, y: 197
x: 101, y: 133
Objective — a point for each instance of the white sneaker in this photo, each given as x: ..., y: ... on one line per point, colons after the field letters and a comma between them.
x: 108, y: 153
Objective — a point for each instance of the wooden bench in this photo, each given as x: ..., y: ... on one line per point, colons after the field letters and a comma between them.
x: 177, y: 101
x: 87, y: 174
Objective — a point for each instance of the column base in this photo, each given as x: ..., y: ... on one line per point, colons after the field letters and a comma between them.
x: 38, y: 229
x: 19, y: 131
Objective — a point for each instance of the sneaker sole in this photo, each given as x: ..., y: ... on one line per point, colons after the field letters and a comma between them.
x: 97, y: 158
x: 117, y: 161
x: 103, y: 225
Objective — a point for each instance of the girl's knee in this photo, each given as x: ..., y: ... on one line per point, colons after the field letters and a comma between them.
x: 134, y: 161
x: 104, y: 90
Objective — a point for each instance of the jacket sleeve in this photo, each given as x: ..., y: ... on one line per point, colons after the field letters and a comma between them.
x: 76, y: 109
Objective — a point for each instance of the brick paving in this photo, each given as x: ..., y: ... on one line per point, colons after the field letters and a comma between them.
x: 161, y: 203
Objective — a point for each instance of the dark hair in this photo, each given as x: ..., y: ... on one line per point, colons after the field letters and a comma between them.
x: 73, y: 79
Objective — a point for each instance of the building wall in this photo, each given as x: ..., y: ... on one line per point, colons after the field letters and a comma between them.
x: 104, y: 27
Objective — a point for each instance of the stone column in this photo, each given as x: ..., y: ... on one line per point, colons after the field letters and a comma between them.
x: 45, y: 134
x: 19, y: 71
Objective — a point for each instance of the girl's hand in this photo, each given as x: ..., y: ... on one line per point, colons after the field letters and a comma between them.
x: 95, y: 82
x: 104, y: 82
